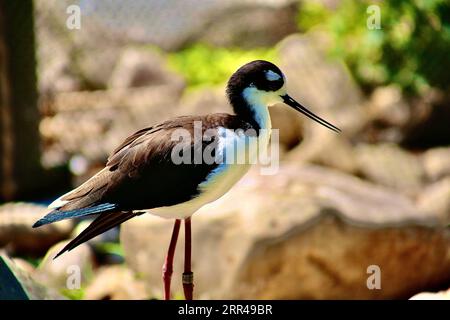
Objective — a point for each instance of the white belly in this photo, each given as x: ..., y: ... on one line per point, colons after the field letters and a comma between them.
x: 211, y: 191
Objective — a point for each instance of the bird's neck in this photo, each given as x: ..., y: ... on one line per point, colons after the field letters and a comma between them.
x: 253, y: 109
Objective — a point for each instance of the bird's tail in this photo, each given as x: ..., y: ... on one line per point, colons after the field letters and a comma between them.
x: 101, y: 224
x: 58, y: 214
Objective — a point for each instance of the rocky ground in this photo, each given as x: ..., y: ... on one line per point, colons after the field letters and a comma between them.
x: 376, y: 195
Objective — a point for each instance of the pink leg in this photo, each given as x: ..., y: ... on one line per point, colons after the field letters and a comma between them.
x: 188, y: 276
x: 168, y: 264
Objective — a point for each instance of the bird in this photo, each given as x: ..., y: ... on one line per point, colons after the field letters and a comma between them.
x: 156, y: 170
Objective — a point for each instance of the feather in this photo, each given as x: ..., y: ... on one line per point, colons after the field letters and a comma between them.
x: 58, y: 215
x: 101, y: 224
x: 140, y: 173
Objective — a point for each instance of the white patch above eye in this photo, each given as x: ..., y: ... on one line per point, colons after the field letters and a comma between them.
x: 272, y: 76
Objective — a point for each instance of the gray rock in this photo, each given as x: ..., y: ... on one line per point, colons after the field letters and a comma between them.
x: 111, y: 25
x: 95, y: 61
x: 307, y: 232
x: 391, y: 166
x: 143, y: 67
x: 260, y: 24
x: 71, y: 60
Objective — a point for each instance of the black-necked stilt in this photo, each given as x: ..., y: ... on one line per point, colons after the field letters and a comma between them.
x: 142, y: 176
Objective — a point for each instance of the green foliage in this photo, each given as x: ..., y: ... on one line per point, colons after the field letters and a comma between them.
x: 73, y: 294
x: 110, y: 248
x: 203, y: 65
x: 412, y: 48
x: 35, y: 262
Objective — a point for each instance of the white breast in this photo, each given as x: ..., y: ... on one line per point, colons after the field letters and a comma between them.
x: 225, y: 176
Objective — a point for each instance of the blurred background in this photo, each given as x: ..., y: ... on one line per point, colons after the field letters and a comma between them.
x: 360, y: 215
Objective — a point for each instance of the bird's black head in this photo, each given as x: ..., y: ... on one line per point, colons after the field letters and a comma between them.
x: 259, y: 74
x: 259, y: 84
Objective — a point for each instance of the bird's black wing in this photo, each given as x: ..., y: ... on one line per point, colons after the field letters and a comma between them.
x: 140, y: 174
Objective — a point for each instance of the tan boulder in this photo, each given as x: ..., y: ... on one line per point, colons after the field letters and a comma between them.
x: 436, y: 198
x: 115, y: 283
x: 330, y: 150
x: 436, y: 162
x: 391, y: 166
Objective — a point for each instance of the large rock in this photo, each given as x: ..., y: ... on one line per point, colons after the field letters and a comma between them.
x: 17, y: 235
x: 391, y: 166
x: 327, y: 149
x: 436, y: 198
x: 307, y: 232
x: 72, y: 60
x: 389, y: 115
x: 436, y: 163
x: 261, y: 24
x: 388, y: 107
x: 115, y: 283
x: 143, y: 67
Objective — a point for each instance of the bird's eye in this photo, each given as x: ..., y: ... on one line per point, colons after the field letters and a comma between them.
x: 272, y: 76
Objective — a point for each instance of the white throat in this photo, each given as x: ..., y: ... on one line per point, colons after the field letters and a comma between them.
x: 258, y: 101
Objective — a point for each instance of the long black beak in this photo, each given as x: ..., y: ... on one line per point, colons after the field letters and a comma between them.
x: 297, y: 106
